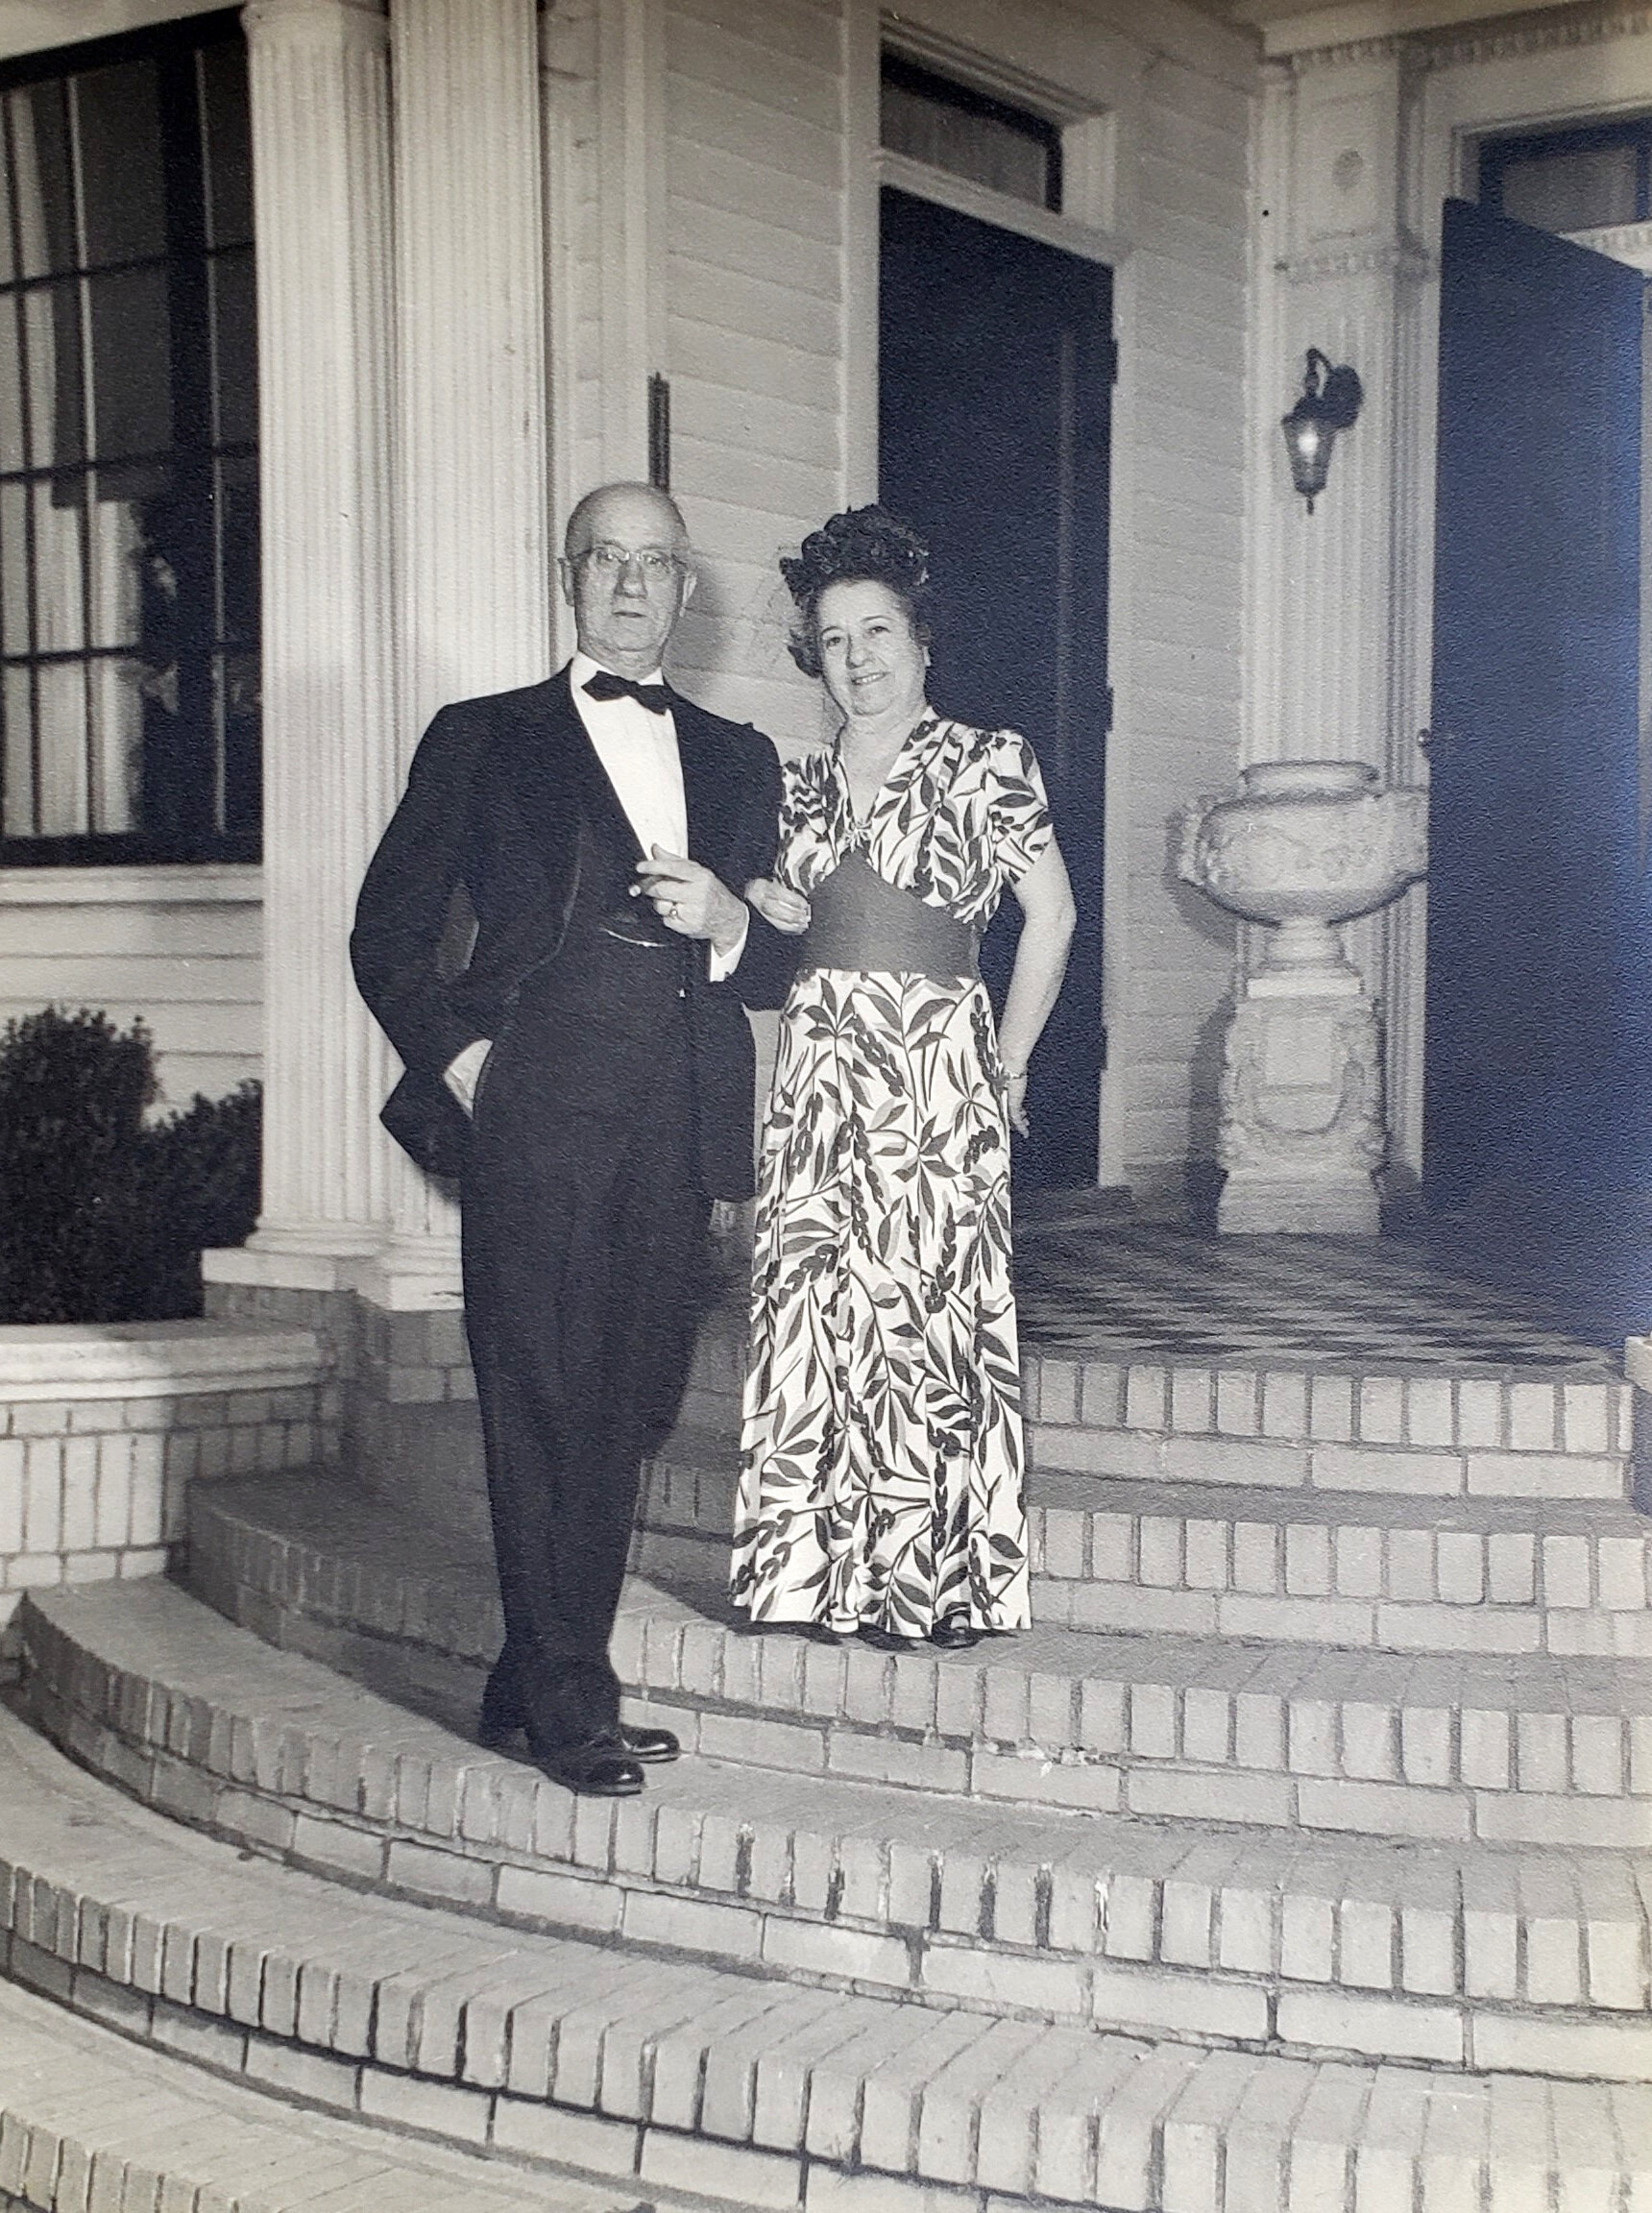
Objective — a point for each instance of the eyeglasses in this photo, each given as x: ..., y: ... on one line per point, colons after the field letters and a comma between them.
x: 612, y: 560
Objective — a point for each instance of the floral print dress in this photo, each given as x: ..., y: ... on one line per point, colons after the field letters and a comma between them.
x: 881, y: 1472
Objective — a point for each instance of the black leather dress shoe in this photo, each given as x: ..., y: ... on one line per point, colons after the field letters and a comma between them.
x: 956, y: 1634
x: 650, y: 1745
x: 501, y: 1716
x: 603, y: 1766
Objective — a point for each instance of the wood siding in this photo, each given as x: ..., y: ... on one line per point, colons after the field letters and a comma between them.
x: 754, y: 103
x: 182, y: 948
x: 1178, y: 580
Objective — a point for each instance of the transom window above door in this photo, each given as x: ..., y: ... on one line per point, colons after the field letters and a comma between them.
x: 1594, y: 177
x: 129, y: 504
x: 951, y: 126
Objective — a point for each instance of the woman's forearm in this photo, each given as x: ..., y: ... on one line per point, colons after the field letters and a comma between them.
x: 1035, y: 983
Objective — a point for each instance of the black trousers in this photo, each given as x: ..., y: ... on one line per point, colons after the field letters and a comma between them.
x: 584, y: 1254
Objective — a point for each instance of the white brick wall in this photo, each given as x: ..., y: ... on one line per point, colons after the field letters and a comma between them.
x: 102, y: 1430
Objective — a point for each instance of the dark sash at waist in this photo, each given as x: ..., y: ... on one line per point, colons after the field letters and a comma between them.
x: 857, y: 920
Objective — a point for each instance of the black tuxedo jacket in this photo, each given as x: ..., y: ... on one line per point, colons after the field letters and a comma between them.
x: 503, y: 794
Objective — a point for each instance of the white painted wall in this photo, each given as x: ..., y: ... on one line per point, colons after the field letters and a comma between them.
x: 752, y: 262
x: 183, y: 947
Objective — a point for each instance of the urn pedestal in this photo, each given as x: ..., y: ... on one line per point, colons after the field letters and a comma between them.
x: 1305, y: 845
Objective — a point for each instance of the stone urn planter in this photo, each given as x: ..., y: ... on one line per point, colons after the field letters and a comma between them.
x: 1304, y: 847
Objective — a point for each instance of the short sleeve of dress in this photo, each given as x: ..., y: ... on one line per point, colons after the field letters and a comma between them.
x: 1017, y: 807
x: 803, y: 819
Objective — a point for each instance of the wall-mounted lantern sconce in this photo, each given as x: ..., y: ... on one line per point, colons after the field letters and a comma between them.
x: 1330, y: 401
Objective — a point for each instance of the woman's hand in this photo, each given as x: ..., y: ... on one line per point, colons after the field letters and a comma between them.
x: 786, y: 910
x: 1015, y: 1101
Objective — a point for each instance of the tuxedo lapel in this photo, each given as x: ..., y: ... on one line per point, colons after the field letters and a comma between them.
x: 560, y: 777
x: 705, y: 785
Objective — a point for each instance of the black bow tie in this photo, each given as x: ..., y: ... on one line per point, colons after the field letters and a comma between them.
x: 656, y: 697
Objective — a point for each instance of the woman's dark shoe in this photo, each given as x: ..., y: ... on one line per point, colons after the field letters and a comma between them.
x: 886, y: 1640
x: 956, y: 1634
x: 602, y: 1766
x: 649, y: 1746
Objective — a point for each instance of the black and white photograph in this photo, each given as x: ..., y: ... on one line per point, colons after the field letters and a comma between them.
x: 826, y: 1107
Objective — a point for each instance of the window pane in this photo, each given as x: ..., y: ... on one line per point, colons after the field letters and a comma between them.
x: 13, y: 452
x: 42, y: 204
x: 228, y: 145
x: 15, y: 635
x: 238, y: 549
x: 116, y: 721
x: 1581, y: 190
x: 56, y: 434
x: 115, y: 555
x: 63, y: 725
x: 60, y: 582
x: 237, y: 349
x: 132, y: 367
x: 983, y: 148
x: 239, y: 709
x: 117, y: 111
x: 17, y: 694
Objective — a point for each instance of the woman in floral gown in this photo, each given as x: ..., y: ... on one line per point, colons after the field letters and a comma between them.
x: 882, y: 1481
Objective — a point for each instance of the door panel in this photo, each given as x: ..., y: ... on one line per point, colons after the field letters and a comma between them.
x: 1538, y: 936
x: 995, y: 398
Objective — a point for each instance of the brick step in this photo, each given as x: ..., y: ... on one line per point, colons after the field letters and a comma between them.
x: 1308, y: 1425
x: 1461, y: 1957
x: 740, y: 2087
x: 1526, y: 1750
x: 90, y: 2121
x: 1412, y: 1576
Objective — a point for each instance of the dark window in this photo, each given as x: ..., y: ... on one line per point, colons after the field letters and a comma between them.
x: 129, y: 475
x: 954, y: 127
x: 1585, y: 180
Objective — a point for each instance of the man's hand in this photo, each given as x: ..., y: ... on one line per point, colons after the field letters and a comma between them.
x: 690, y: 900
x: 464, y: 1072
x: 782, y: 909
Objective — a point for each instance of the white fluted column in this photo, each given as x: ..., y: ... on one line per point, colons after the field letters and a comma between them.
x: 1340, y: 270
x: 321, y: 133
x: 474, y: 455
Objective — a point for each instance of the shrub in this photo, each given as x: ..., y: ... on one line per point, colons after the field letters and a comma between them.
x: 103, y: 1216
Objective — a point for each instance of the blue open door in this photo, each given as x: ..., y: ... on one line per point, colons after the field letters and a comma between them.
x: 1538, y: 994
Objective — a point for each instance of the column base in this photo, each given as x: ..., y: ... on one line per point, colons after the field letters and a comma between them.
x: 1301, y: 1109
x: 1339, y: 1207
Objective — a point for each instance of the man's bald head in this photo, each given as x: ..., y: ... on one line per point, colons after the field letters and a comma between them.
x: 625, y: 573
x: 621, y: 512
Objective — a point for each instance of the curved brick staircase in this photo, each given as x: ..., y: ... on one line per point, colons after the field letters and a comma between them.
x: 1295, y: 1862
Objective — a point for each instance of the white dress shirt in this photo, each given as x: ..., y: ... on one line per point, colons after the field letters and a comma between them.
x: 638, y: 750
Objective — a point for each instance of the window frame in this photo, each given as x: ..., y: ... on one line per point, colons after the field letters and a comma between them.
x: 928, y: 83
x: 196, y: 463
x: 1502, y: 151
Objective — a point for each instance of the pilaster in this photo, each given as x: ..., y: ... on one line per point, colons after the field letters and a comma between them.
x: 475, y: 550
x: 1333, y: 676
x: 321, y: 130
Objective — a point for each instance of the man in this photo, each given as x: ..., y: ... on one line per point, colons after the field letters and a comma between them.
x: 589, y: 1073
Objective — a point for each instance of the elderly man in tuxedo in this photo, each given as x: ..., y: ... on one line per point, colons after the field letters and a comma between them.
x: 588, y: 1074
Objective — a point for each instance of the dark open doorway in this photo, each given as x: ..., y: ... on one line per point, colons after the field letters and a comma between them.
x: 995, y: 400
x: 1538, y: 925
x: 1538, y: 1151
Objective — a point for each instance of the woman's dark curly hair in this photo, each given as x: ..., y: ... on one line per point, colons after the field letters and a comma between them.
x: 866, y: 546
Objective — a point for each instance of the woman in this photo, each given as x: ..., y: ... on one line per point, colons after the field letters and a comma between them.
x: 881, y: 1474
